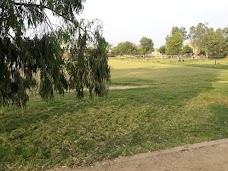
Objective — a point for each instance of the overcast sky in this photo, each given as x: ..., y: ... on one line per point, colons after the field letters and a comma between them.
x: 130, y: 20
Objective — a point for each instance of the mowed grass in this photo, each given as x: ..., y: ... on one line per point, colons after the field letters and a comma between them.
x: 221, y: 63
x: 180, y: 104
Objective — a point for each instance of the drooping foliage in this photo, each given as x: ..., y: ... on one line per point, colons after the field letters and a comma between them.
x: 87, y: 65
x: 32, y: 55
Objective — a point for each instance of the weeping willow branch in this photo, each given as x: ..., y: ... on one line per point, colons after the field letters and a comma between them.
x: 23, y: 57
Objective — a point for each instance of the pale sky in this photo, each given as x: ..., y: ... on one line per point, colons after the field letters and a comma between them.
x: 130, y: 20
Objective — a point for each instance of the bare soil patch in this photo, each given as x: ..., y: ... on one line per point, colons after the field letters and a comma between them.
x: 126, y: 87
x: 223, y: 82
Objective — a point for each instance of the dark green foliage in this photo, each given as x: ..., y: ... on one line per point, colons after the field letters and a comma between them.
x: 37, y: 61
x: 187, y: 50
x: 162, y: 49
x: 24, y: 57
x: 88, y: 67
x: 202, y: 52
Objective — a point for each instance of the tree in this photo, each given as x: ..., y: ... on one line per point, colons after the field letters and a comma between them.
x: 147, y: 45
x: 162, y: 50
x: 181, y: 30
x: 202, y: 52
x: 125, y: 48
x: 24, y: 58
x: 197, y: 34
x: 215, y: 43
x: 174, y: 43
x: 209, y: 41
x: 187, y: 50
x: 225, y: 31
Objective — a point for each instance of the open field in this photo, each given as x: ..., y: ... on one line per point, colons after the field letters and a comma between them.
x: 222, y: 63
x: 177, y: 104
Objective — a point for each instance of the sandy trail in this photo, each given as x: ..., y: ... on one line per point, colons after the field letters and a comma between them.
x: 127, y: 87
x: 207, y: 156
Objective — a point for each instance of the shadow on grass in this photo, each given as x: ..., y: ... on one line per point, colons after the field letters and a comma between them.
x: 156, y: 136
x: 67, y: 131
x: 39, y: 111
x: 168, y: 85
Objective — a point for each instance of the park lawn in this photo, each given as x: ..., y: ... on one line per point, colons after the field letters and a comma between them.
x: 221, y: 63
x: 180, y: 105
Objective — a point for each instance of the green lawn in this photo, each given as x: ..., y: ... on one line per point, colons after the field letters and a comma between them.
x: 182, y: 103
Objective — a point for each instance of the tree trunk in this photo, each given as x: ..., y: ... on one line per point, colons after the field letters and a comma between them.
x: 207, y: 55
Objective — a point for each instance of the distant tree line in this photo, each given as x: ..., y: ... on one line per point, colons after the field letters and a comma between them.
x: 128, y: 48
x: 204, y: 40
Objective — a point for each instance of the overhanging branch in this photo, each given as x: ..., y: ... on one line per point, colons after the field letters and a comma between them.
x: 41, y: 6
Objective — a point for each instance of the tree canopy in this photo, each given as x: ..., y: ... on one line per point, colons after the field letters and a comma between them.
x: 174, y: 43
x: 196, y: 35
x: 213, y: 42
x: 28, y: 62
x: 181, y: 30
x: 147, y: 45
x: 125, y: 48
x: 162, y: 49
x: 187, y: 50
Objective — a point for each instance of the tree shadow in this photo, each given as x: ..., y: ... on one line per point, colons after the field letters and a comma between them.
x: 169, y: 90
x: 39, y: 111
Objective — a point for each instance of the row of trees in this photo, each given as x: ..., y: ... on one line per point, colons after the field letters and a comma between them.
x: 185, y: 50
x: 128, y: 48
x: 203, y: 39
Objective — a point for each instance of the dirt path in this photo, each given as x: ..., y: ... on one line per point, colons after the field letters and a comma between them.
x: 207, y: 156
x: 127, y: 87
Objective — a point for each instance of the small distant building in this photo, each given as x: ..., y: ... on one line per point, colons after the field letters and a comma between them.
x: 156, y: 53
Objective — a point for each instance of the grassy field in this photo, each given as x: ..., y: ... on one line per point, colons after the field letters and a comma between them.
x: 182, y: 103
